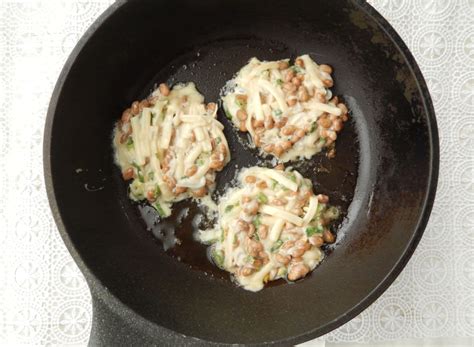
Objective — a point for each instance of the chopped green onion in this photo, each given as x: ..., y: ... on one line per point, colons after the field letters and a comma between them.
x: 310, y: 231
x: 262, y: 198
x: 228, y: 208
x: 257, y: 222
x: 265, y: 73
x: 296, y: 68
x: 160, y: 210
x: 240, y: 103
x: 139, y: 173
x: 227, y: 113
x: 276, y: 245
x: 136, y: 190
x: 319, y: 211
x: 249, y: 259
x: 332, y: 213
x: 157, y: 191
x: 292, y: 177
x: 274, y: 184
x: 282, y: 272
x: 218, y: 258
x: 129, y: 143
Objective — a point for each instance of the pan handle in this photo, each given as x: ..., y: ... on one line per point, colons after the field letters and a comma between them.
x: 110, y: 329
x: 125, y: 328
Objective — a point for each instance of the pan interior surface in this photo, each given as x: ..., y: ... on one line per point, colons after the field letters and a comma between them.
x: 382, y: 177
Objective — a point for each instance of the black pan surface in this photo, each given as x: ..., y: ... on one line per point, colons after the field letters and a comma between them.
x: 383, y: 177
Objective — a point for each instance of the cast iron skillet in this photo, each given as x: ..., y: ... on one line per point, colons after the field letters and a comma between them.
x: 384, y: 176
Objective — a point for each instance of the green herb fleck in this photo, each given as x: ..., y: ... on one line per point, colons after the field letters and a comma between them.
x: 276, y: 245
x: 257, y: 222
x: 218, y: 140
x: 227, y: 113
x: 274, y: 184
x: 265, y: 73
x: 296, y: 69
x: 249, y: 259
x: 200, y: 162
x: 277, y: 113
x: 228, y: 208
x: 314, y: 126
x: 262, y: 198
x: 319, y: 211
x: 157, y: 191
x: 218, y: 258
x: 310, y: 231
x: 160, y: 210
x: 279, y: 81
x: 292, y: 177
x: 151, y: 175
x: 136, y: 190
x: 240, y: 103
x: 322, y: 141
x: 282, y: 272
x: 332, y: 213
x: 129, y: 143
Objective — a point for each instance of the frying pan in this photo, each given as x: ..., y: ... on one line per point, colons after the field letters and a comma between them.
x: 383, y: 177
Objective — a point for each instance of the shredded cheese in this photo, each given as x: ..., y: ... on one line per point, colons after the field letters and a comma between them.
x: 278, y: 212
x: 312, y: 208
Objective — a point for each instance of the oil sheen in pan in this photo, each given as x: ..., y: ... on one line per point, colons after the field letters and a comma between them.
x: 336, y: 177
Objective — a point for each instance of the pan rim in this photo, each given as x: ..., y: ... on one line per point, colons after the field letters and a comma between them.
x: 99, y: 291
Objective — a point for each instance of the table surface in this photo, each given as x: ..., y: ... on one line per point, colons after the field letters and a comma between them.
x: 44, y: 298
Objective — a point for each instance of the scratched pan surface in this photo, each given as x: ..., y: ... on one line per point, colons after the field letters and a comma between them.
x: 383, y: 177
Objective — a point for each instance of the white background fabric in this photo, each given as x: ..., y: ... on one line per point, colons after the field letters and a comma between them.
x: 43, y: 296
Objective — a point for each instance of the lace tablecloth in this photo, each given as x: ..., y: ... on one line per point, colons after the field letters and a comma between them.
x: 43, y: 296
